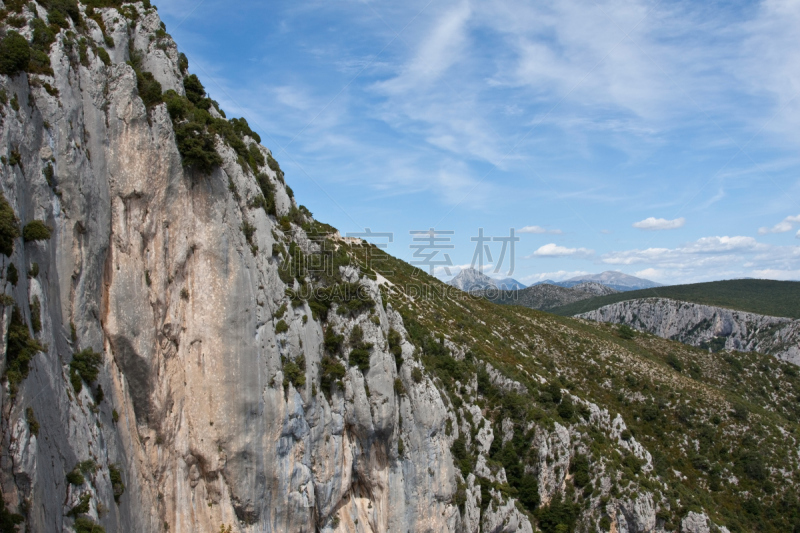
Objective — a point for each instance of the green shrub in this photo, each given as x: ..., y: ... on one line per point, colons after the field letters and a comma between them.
x: 331, y: 372
x: 85, y: 525
x: 267, y: 201
x: 242, y: 128
x: 183, y: 63
x: 35, y: 230
x: 34, y: 270
x: 82, y: 507
x: 674, y: 362
x: 15, y: 54
x: 149, y: 89
x: 281, y: 327
x: 558, y: 517
x: 626, y: 332
x: 360, y: 350
x: 12, y: 274
x: 20, y: 350
x: 416, y: 375
x: 294, y: 372
x: 36, y: 315
x: 194, y: 89
x: 85, y: 366
x: 580, y: 470
x: 400, y: 389
x: 74, y: 477
x: 33, y: 424
x: 395, y: 346
x: 9, y: 227
x: 106, y: 59
x: 117, y: 485
x: 566, y: 410
x: 332, y: 341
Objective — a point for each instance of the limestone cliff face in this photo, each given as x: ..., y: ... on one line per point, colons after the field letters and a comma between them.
x: 703, y: 325
x: 149, y: 264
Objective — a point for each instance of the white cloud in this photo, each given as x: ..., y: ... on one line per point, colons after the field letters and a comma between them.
x: 798, y: 234
x: 539, y: 230
x: 655, y: 224
x: 650, y: 273
x: 787, y: 224
x: 786, y: 275
x: 711, y: 258
x: 554, y: 250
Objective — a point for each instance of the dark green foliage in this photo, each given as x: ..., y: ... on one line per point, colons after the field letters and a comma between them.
x: 267, y: 198
x: 149, y: 89
x: 740, y: 412
x: 85, y: 366
x: 360, y: 352
x: 33, y: 424
x: 43, y: 37
x: 463, y: 459
x: 74, y: 477
x: 8, y: 520
x: 626, y: 332
x: 281, y: 327
x: 275, y: 167
x: 117, y: 485
x: 64, y: 8
x: 331, y: 372
x: 99, y: 395
x: 82, y: 507
x: 106, y: 59
x: 9, y: 227
x: 35, y: 230
x: 195, y: 91
x: 566, y: 410
x: 416, y: 375
x: 674, y: 362
x: 580, y: 470
x: 15, y: 54
x: 34, y: 270
x: 294, y: 372
x: 400, y: 389
x: 395, y: 341
x: 183, y: 63
x: 12, y: 274
x: 36, y: 315
x: 558, y: 517
x: 197, y: 147
x: 333, y: 342
x: 85, y: 525
x: 751, y: 463
x: 242, y: 128
x: 20, y: 350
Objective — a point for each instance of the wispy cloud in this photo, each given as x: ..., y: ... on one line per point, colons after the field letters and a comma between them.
x: 538, y: 230
x: 787, y: 224
x: 656, y: 224
x: 554, y: 250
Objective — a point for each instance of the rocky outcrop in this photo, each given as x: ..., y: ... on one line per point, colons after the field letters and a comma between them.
x: 706, y: 326
x: 148, y: 265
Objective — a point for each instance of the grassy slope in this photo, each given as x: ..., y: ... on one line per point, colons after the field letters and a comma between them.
x: 741, y: 412
x: 773, y: 298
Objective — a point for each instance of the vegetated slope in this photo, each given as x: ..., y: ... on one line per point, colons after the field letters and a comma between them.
x: 696, y: 430
x: 544, y: 296
x: 189, y: 350
x: 763, y: 297
x: 707, y: 327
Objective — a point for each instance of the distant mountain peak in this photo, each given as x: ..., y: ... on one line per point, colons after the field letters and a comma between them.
x: 471, y: 279
x: 613, y: 278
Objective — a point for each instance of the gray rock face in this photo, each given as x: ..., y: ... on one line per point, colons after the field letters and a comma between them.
x: 148, y: 263
x: 706, y: 325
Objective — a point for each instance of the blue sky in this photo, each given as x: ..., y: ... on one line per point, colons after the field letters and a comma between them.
x: 657, y: 138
